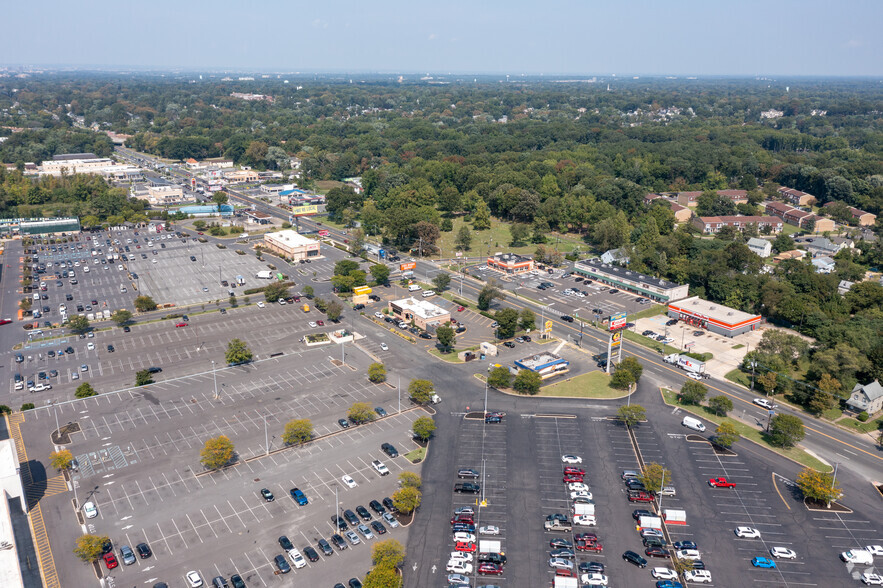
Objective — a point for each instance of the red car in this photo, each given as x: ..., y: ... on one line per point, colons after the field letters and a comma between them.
x: 585, y: 537
x: 563, y: 573
x: 110, y: 561
x: 490, y: 569
x: 464, y: 546
x: 589, y: 546
x: 568, y: 478
x: 320, y: 323
x: 199, y: 233
x: 5, y: 321
x: 180, y: 324
x: 463, y: 518
x: 640, y: 497
x: 721, y: 483
x: 656, y: 552
x: 574, y: 471
x: 460, y: 309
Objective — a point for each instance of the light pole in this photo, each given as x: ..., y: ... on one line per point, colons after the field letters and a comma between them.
x: 266, y: 435
x: 833, y: 481
x: 215, y: 378
x: 399, y: 390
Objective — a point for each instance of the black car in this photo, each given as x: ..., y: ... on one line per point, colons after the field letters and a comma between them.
x: 380, y: 411
x: 355, y: 583
x: 563, y: 553
x: 389, y: 450
x: 126, y: 329
x: 350, y: 517
x: 285, y: 543
x: 143, y: 550
x: 387, y: 502
x: 106, y: 547
x: 509, y: 344
x: 325, y: 547
x: 634, y: 558
x: 378, y: 527
x: 591, y: 567
x: 558, y: 543
x: 499, y: 558
x: 377, y: 507
x: 235, y: 579
x: 685, y: 545
x: 339, y: 542
x: 493, y: 419
x: 311, y: 553
x: 154, y: 370
x: 268, y: 496
x: 50, y: 353
x: 698, y: 564
x: 425, y: 335
x: 567, y: 318
x: 283, y: 566
x: 634, y: 484
x: 363, y: 512
x: 671, y: 322
x: 110, y: 349
x: 344, y: 424
x: 526, y: 338
x: 339, y: 523
x: 192, y: 258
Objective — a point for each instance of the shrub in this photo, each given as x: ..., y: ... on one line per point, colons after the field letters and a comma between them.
x: 863, y: 417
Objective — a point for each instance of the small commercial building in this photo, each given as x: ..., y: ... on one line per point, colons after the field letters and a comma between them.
x: 291, y: 244
x: 511, y: 264
x: 655, y: 289
x: 257, y: 217
x: 202, y: 210
x: 546, y: 364
x: 714, y: 317
x: 425, y: 315
x: 166, y: 195
x: 40, y: 226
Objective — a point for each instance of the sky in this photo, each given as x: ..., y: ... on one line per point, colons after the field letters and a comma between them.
x: 550, y: 37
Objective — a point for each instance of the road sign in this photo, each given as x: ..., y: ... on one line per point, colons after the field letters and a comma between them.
x: 407, y: 266
x: 617, y: 321
x: 548, y: 326
x: 304, y: 210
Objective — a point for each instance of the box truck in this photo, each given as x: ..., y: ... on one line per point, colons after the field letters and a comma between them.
x: 688, y: 364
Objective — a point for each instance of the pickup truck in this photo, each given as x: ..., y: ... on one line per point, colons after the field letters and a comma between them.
x: 721, y: 483
x: 380, y: 467
x: 558, y: 525
x: 468, y: 487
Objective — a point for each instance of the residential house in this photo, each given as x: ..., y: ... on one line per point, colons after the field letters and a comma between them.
x: 798, y: 217
x: 793, y: 254
x: 617, y: 256
x: 796, y: 197
x: 821, y: 246
x: 844, y: 286
x: 712, y: 224
x: 866, y: 398
x: 823, y: 264
x: 860, y: 217
x: 760, y: 246
x: 688, y: 198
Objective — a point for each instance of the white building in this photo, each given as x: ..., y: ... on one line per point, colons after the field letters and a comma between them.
x: 102, y: 166
x: 166, y: 195
x: 760, y: 246
x: 291, y: 244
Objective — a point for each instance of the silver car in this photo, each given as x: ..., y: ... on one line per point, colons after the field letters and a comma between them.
x: 365, y: 531
x: 352, y: 537
x: 390, y: 520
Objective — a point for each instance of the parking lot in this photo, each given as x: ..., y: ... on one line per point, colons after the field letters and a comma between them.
x: 138, y: 458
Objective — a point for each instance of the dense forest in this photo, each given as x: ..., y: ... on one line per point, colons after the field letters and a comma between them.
x: 574, y: 158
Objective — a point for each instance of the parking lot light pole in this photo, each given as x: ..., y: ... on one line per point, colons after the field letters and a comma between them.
x: 399, y: 390
x: 266, y: 435
x: 215, y: 377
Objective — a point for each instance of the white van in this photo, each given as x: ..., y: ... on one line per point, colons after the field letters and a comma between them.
x: 428, y: 293
x: 85, y: 269
x: 411, y: 288
x: 693, y: 423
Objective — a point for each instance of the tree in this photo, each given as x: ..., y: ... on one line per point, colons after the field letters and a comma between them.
x: 121, y: 317
x: 345, y: 267
x: 389, y: 554
x: 818, y: 486
x: 334, y: 310
x: 726, y: 434
x: 380, y: 273
x: 410, y: 480
x: 720, y: 405
x: 767, y: 381
x: 61, y: 459
x: 143, y: 377
x: 85, y: 390
x: 382, y: 577
x: 655, y: 476
x: 429, y: 235
x: 275, y: 291
x: 420, y: 391
x: 520, y: 233
x: 199, y: 225
x: 27, y: 406
x: 78, y: 324
x: 297, y: 431
x: 308, y: 291
x: 376, y: 373
x: 237, y: 352
x: 406, y: 500
x: 634, y: 366
x: 220, y: 198
x: 89, y: 548
x: 693, y: 392
x: 360, y: 412
x: 622, y: 378
x: 464, y: 239
x: 499, y: 378
x: 441, y: 281
x: 481, y: 217
x: 527, y: 382
x: 217, y: 452
x: 489, y: 292
x: 631, y: 414
x: 423, y: 428
x: 144, y: 304
x: 445, y: 335
x: 508, y: 322
x: 527, y: 320
x: 786, y: 430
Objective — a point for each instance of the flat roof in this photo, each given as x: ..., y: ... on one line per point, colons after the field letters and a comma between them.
x: 289, y: 238
x: 713, y: 310
x: 540, y: 360
x: 509, y: 258
x: 422, y: 308
x: 10, y: 572
x: 626, y: 274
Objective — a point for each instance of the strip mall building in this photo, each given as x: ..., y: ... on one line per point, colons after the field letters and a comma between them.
x: 713, y: 317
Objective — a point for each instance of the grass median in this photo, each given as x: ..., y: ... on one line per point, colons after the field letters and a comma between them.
x: 593, y: 384
x: 747, y: 432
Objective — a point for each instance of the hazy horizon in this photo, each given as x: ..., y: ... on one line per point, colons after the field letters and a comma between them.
x: 752, y: 38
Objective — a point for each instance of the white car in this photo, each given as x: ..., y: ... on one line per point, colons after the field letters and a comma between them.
x: 193, y: 579
x: 40, y: 387
x: 120, y: 267
x: 585, y: 520
x: 379, y: 315
x: 348, y: 480
x: 296, y: 558
x: 594, y: 579
x: 691, y: 554
x: 464, y: 537
x: 663, y: 574
x: 581, y: 494
x: 667, y: 491
x: 89, y: 510
x: 876, y: 550
x: 578, y: 487
x: 763, y: 402
x: 313, y: 325
x: 747, y: 533
x: 384, y: 347
x: 571, y: 459
x: 459, y: 567
x: 463, y: 556
x: 698, y: 576
x: 560, y: 563
x: 489, y: 530
x: 783, y: 553
x: 90, y: 346
x: 281, y: 301
x: 261, y: 304
x: 870, y: 579
x: 694, y: 376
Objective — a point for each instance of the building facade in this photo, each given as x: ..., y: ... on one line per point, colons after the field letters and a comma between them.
x: 760, y: 246
x: 621, y: 278
x: 710, y: 225
x: 866, y: 398
x: 713, y: 317
x: 545, y: 363
x: 796, y: 197
x: 291, y: 244
x: 511, y: 264
x: 425, y: 315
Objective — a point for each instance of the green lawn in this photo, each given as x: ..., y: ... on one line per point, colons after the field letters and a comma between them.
x: 739, y: 377
x: 748, y: 432
x: 449, y: 357
x: 594, y: 384
x: 417, y: 455
x: 789, y: 229
x: 497, y: 238
x: 860, y: 427
x: 654, y: 310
